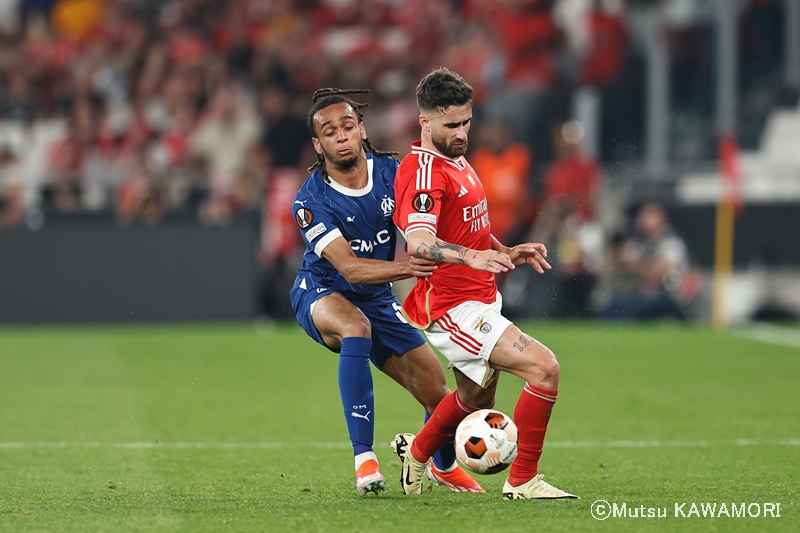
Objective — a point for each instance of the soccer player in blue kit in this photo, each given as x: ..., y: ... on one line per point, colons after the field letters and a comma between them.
x: 342, y: 296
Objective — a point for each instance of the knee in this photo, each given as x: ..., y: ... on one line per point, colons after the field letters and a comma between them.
x: 542, y: 369
x: 359, y: 327
x: 549, y: 366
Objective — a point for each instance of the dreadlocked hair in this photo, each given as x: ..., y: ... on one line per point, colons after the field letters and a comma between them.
x: 329, y: 96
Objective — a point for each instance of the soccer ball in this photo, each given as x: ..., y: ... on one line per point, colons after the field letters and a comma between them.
x: 486, y: 441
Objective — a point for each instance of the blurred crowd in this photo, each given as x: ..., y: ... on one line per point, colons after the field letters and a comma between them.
x: 145, y: 109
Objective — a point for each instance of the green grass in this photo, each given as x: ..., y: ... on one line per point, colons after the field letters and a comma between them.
x: 240, y: 429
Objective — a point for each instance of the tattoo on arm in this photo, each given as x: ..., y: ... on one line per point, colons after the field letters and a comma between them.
x: 436, y: 252
x: 462, y: 252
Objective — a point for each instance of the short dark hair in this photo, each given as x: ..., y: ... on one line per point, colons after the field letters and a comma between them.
x: 441, y: 89
x: 329, y: 96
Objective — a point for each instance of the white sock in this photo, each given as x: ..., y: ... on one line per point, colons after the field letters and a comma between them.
x: 364, y: 457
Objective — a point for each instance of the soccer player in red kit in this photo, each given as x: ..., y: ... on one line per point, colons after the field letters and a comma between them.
x: 442, y: 210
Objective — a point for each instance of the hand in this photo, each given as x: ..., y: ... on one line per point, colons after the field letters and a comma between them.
x: 532, y: 253
x: 490, y: 260
x: 421, y: 268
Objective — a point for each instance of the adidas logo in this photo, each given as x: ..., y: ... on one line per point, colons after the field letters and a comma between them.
x: 463, y: 191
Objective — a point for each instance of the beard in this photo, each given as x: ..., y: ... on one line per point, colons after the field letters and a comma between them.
x: 452, y: 150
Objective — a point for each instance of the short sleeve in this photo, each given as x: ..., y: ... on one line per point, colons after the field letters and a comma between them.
x: 315, y: 223
x: 419, y: 192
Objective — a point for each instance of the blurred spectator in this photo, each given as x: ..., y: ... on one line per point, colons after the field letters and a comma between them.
x: 168, y: 157
x: 223, y: 140
x: 475, y: 54
x: 288, y: 152
x: 18, y: 100
x: 566, y: 221
x: 503, y: 167
x: 529, y: 35
x: 607, y: 51
x: 139, y: 199
x: 649, y: 275
x: 68, y: 159
x: 573, y: 178
x: 12, y: 207
x: 530, y: 40
x: 597, y: 36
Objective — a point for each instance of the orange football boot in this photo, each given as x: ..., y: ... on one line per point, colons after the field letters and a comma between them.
x: 456, y: 480
x: 369, y: 478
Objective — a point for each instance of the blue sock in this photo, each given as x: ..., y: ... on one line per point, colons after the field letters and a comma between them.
x: 355, y: 388
x: 445, y: 456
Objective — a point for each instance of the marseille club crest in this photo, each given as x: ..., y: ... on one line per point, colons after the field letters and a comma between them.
x: 387, y: 205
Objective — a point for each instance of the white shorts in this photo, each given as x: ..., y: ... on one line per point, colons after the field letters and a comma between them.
x: 466, y: 336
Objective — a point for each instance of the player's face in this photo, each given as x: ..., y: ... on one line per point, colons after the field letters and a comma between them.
x: 339, y: 135
x: 450, y: 130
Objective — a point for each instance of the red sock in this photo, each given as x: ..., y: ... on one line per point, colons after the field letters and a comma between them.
x: 531, y: 416
x: 441, y: 426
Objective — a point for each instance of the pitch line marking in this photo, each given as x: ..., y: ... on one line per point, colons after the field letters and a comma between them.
x: 342, y: 445
x: 770, y: 334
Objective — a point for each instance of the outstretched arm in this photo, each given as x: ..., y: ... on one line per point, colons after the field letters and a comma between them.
x: 532, y: 253
x: 425, y: 245
x: 358, y: 270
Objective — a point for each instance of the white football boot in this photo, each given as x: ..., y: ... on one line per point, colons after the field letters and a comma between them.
x: 413, y: 472
x: 536, y: 489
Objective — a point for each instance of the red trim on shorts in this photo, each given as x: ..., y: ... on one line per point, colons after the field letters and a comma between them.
x: 458, y: 336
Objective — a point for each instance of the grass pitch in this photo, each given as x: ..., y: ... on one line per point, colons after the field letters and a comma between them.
x: 237, y: 428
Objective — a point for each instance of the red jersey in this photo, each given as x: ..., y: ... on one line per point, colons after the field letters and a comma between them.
x: 444, y: 197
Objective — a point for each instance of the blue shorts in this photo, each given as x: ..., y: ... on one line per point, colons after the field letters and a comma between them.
x: 391, y: 334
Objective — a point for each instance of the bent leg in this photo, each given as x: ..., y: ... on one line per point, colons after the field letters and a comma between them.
x: 524, y: 356
x: 342, y: 325
x: 520, y: 354
x: 420, y: 372
x: 448, y: 415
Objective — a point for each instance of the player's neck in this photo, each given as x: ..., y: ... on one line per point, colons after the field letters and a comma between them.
x: 355, y: 177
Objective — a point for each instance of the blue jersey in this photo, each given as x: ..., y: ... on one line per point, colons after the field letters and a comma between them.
x: 324, y: 211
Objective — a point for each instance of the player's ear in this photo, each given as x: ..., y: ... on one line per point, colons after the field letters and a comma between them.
x: 363, y: 131
x: 317, y: 146
x: 425, y: 122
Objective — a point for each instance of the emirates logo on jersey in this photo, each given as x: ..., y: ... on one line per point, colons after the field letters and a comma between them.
x: 303, y: 217
x: 422, y: 203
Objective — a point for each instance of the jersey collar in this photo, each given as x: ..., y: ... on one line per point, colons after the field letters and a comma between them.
x: 347, y: 191
x: 459, y: 162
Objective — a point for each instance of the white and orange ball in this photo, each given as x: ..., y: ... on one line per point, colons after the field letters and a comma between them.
x: 486, y: 441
